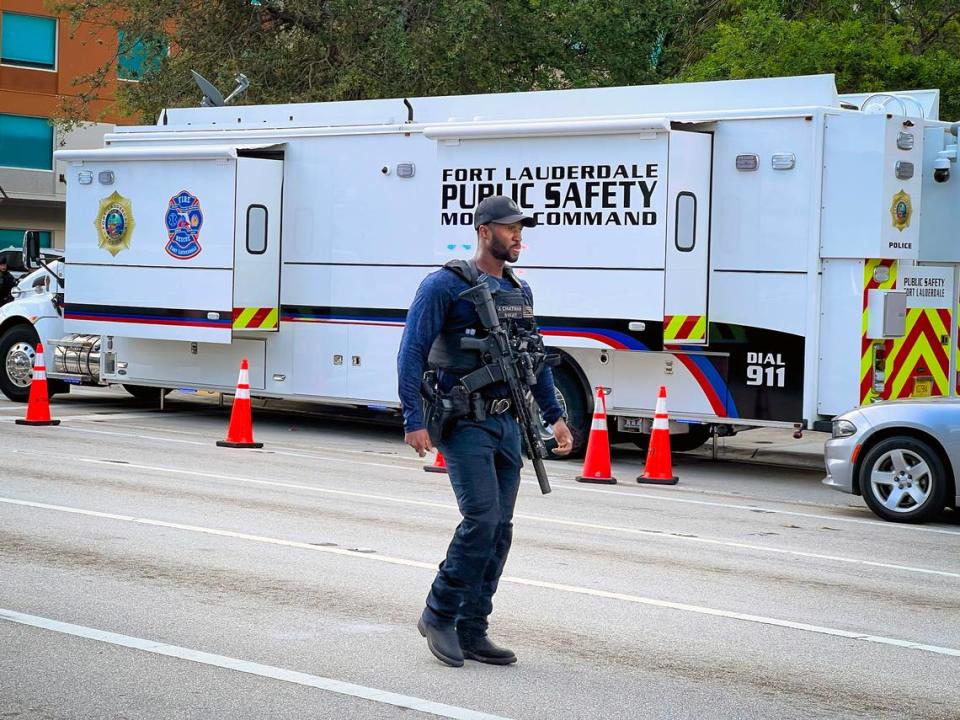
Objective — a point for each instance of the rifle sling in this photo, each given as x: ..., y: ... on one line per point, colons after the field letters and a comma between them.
x: 481, y: 377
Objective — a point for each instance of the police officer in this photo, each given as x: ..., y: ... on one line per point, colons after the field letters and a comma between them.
x: 7, y: 282
x: 482, y: 456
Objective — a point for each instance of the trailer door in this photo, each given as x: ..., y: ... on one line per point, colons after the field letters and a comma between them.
x: 150, y: 237
x: 256, y: 277
x: 687, y: 265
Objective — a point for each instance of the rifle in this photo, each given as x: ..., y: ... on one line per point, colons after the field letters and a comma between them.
x: 510, y: 365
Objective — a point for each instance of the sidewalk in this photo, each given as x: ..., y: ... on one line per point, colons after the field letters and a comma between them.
x: 770, y: 445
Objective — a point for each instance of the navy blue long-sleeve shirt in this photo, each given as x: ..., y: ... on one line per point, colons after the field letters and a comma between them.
x: 436, y: 298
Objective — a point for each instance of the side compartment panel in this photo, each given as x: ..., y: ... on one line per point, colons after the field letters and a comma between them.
x: 212, y: 365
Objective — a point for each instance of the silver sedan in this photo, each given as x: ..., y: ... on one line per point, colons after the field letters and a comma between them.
x: 901, y: 456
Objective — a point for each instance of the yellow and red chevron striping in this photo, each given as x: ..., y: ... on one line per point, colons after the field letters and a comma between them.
x: 256, y: 318
x: 866, y: 345
x: 684, y: 328
x: 920, y: 353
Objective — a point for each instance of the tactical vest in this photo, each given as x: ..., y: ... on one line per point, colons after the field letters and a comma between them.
x: 513, y: 310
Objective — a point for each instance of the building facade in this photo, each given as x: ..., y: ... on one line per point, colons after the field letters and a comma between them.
x: 41, y: 54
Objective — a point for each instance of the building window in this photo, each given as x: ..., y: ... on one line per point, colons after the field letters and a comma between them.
x: 14, y: 239
x: 28, y: 41
x: 26, y: 142
x: 138, y: 56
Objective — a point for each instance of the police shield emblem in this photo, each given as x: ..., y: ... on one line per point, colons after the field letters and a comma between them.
x: 114, y: 223
x: 900, y: 210
x: 184, y: 219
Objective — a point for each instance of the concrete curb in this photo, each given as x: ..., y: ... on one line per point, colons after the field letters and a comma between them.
x: 771, y: 456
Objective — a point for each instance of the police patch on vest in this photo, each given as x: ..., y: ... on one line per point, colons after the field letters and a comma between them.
x: 184, y: 219
x: 114, y: 223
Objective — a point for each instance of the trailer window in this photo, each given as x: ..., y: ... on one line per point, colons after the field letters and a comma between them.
x: 256, y: 229
x: 685, y: 232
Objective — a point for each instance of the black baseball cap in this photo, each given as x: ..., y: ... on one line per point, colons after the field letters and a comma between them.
x: 502, y: 210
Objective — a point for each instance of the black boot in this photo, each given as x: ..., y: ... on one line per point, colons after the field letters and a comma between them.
x: 443, y: 643
x: 480, y: 648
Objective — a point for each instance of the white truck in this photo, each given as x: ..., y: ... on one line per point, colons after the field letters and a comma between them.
x: 771, y: 251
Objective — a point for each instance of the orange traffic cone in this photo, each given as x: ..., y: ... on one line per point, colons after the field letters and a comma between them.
x: 439, y: 464
x: 596, y: 465
x: 240, y: 432
x: 38, y: 406
x: 659, y: 468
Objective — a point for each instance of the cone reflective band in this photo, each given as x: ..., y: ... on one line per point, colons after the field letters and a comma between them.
x: 240, y: 432
x: 596, y: 464
x: 659, y: 467
x: 439, y: 464
x: 38, y: 405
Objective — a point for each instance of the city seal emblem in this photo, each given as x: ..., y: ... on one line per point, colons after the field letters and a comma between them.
x: 184, y: 219
x: 114, y: 223
x: 901, y: 210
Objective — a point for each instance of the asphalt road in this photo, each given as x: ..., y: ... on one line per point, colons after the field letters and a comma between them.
x: 147, y: 573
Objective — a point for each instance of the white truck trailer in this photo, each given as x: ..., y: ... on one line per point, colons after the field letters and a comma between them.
x: 772, y: 252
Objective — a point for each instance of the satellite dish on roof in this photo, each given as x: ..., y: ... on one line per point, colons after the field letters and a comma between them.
x: 211, y: 96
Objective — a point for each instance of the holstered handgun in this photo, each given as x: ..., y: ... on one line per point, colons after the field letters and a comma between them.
x: 442, y: 410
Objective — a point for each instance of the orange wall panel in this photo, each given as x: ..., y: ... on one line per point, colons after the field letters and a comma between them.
x: 81, y: 50
x: 42, y: 82
x: 21, y: 103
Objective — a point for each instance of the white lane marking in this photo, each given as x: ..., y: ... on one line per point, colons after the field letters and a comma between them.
x: 132, y: 435
x: 65, y: 413
x: 763, y: 510
x: 579, y: 488
x: 665, y: 604
x: 536, y: 518
x: 251, y: 668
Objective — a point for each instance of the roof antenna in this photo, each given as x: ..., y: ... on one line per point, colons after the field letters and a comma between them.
x: 213, y: 97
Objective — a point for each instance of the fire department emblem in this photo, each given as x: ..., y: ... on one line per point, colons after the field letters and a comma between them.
x: 114, y: 223
x: 184, y: 220
x: 901, y: 210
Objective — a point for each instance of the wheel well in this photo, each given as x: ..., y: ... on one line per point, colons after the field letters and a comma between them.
x: 12, y: 321
x: 566, y: 360
x: 881, y: 435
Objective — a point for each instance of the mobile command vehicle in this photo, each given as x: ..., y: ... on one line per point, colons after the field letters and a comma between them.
x: 771, y: 251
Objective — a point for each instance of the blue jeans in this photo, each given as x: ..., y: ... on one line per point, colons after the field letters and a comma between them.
x: 483, y: 462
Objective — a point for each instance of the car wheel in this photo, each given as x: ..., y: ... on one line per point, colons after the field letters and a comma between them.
x: 17, y: 351
x: 902, y: 479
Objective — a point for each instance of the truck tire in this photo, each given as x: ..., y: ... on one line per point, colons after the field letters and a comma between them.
x: 903, y: 479
x: 145, y: 393
x: 17, y: 351
x: 684, y: 442
x: 573, y: 399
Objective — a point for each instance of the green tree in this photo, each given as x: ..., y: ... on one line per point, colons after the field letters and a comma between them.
x: 870, y: 46
x: 313, y: 50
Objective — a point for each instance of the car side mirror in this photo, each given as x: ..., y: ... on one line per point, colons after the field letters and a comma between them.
x: 31, y: 249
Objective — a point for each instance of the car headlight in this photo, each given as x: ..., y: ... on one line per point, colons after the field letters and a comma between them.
x: 843, y: 428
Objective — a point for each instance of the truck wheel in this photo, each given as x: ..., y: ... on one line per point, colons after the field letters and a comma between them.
x: 684, y: 442
x: 145, y: 393
x: 696, y: 437
x: 903, y: 480
x: 570, y: 395
x: 17, y: 351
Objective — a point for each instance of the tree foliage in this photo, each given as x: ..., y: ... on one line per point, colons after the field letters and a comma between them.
x: 315, y: 50
x: 871, y: 45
